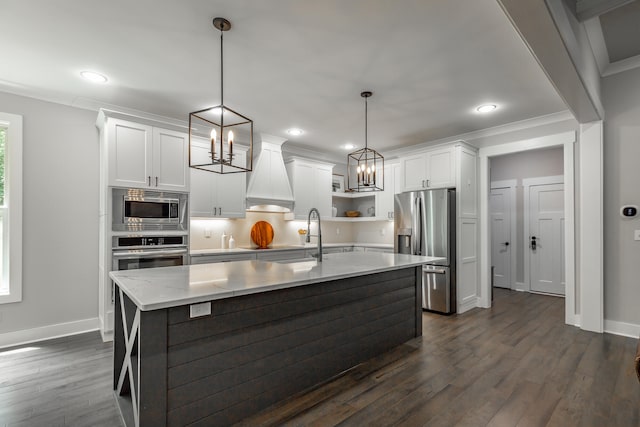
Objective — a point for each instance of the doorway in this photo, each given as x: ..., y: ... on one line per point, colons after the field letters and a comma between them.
x: 488, y: 155
x: 536, y: 209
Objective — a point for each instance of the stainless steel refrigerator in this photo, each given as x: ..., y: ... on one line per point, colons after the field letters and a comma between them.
x: 425, y: 224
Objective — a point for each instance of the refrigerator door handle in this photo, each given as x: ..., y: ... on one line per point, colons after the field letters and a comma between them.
x: 434, y: 270
x: 417, y: 228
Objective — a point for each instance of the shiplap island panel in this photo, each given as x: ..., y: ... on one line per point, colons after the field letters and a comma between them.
x: 274, y: 329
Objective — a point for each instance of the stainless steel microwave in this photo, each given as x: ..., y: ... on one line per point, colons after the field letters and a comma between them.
x: 135, y: 209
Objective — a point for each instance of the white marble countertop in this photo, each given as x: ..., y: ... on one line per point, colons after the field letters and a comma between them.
x: 157, y: 288
x: 199, y: 252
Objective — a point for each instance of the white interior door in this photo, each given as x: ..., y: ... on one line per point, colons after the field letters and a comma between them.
x: 546, y: 238
x: 500, y: 209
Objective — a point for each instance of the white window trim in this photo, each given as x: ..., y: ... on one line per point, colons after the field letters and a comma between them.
x: 13, y: 195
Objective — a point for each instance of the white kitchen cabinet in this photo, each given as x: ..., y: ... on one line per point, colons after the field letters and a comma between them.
x: 384, y: 199
x: 218, y: 195
x: 147, y: 157
x: 430, y: 169
x: 311, y: 185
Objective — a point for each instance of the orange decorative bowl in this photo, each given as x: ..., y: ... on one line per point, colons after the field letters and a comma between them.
x: 352, y: 214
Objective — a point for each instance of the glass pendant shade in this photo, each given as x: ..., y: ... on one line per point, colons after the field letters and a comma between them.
x: 365, y: 167
x: 214, y: 131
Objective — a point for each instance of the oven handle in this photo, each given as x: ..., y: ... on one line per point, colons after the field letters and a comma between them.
x: 156, y: 253
x: 426, y: 269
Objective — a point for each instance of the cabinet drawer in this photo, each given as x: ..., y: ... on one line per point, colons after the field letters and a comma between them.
x: 207, y: 259
x: 281, y: 255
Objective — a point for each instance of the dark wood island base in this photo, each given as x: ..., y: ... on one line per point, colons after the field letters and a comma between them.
x: 255, y: 350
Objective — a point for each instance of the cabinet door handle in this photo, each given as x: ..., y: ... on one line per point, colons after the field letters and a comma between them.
x: 149, y: 179
x: 156, y: 181
x: 428, y: 183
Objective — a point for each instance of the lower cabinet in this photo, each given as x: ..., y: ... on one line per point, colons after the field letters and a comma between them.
x: 339, y: 250
x: 382, y: 250
x: 208, y: 259
x: 275, y: 255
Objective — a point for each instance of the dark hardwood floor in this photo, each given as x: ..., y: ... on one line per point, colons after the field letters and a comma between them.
x: 514, y: 365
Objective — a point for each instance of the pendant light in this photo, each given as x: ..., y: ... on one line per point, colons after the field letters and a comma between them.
x: 365, y: 167
x: 214, y: 130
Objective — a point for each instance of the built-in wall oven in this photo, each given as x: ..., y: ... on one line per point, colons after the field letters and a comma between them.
x: 133, y: 252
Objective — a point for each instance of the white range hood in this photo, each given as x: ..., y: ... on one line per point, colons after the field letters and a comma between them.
x: 269, y: 187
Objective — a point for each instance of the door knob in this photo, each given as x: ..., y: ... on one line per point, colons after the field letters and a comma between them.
x: 506, y: 243
x: 533, y: 243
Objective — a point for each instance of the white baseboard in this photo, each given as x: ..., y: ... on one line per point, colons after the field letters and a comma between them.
x: 468, y: 303
x: 519, y: 287
x: 572, y: 320
x: 621, y: 328
x: 26, y: 336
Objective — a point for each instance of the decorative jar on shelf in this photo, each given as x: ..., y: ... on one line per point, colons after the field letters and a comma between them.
x: 334, y: 211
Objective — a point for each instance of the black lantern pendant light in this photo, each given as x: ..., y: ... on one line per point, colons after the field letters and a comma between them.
x: 365, y: 167
x: 214, y: 130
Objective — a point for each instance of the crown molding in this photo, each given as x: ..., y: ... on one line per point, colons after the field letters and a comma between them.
x: 468, y: 138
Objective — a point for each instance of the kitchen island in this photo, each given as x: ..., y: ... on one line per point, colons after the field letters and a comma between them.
x: 211, y: 344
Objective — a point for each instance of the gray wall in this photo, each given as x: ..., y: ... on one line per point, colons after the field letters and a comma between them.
x: 519, y: 166
x: 621, y: 94
x: 60, y: 211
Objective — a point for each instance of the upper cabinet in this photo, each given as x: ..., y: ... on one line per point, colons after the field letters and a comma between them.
x: 144, y: 156
x: 384, y: 199
x: 311, y: 185
x: 427, y: 170
x: 216, y: 195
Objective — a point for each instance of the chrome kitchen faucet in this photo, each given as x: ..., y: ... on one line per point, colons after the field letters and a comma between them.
x: 314, y: 210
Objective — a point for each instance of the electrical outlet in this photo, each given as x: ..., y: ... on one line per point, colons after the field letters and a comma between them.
x: 207, y: 232
x: 382, y: 231
x: 338, y: 230
x: 636, y: 235
x: 197, y: 310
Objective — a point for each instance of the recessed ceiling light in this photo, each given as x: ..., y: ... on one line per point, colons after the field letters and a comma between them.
x: 349, y: 146
x: 486, y: 108
x: 94, y: 77
x: 295, y: 132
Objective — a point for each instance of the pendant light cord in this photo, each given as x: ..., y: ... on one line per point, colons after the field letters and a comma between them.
x: 221, y: 89
x: 366, y: 122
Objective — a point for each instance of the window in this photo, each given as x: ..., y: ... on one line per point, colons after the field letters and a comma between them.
x: 10, y: 208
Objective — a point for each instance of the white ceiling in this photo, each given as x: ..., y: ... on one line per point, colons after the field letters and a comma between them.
x: 288, y: 63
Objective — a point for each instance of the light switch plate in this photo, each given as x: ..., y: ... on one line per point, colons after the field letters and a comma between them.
x: 198, y: 310
x: 636, y: 235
